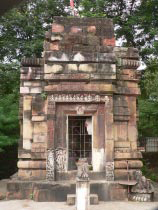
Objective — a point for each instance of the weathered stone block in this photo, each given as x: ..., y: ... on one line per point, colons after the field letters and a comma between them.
x: 31, y: 164
x: 38, y: 147
x: 39, y: 127
x: 38, y: 118
x: 57, y: 28
x: 109, y: 147
x: 132, y: 133
x: 56, y: 37
x: 40, y: 137
x: 22, y: 154
x: 38, y: 155
x: 108, y: 42
x: 93, y: 40
x: 131, y: 164
x: 24, y: 90
x: 88, y: 67
x: 123, y: 174
x: 133, y: 145
x: 121, y: 129
x: 76, y: 29
x: 55, y: 45
x: 118, y: 194
x: 38, y: 105
x: 71, y: 67
x: 32, y: 84
x: 25, y: 174
x: 48, y: 69
x: 128, y: 155
x: 35, y: 90
x: 27, y: 129
x: 91, y: 29
x: 121, y: 144
x: 27, y: 144
x: 71, y: 198
x: 42, y: 195
x: 27, y: 103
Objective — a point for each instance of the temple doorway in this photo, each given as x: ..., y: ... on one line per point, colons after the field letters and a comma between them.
x: 79, y: 140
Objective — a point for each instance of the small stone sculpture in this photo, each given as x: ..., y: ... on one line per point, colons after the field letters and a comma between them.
x: 143, y: 184
x: 82, y: 166
x: 143, y: 190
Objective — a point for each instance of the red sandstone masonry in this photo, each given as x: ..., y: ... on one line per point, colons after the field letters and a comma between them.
x: 57, y: 28
x: 108, y: 42
x: 80, y: 58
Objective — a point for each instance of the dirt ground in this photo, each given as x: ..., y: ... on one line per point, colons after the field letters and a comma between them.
x: 31, y: 205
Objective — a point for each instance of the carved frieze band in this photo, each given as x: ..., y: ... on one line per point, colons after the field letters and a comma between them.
x: 130, y: 63
x: 109, y: 171
x: 78, y: 98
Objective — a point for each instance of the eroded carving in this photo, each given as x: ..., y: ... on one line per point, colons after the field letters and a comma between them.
x: 60, y: 159
x: 50, y: 166
x: 78, y: 98
x: 82, y: 169
x: 80, y: 109
x: 143, y: 190
x: 109, y: 171
x: 56, y: 161
x: 143, y: 185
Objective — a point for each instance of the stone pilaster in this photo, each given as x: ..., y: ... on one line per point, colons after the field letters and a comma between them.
x: 109, y: 139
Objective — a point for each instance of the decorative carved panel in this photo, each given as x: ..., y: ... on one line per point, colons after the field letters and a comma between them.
x: 109, y: 171
x: 78, y: 98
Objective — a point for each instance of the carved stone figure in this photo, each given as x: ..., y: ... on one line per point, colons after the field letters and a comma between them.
x: 60, y: 159
x: 143, y: 185
x: 143, y: 190
x: 82, y: 169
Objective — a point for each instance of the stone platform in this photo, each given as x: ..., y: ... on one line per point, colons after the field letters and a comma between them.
x: 57, y: 191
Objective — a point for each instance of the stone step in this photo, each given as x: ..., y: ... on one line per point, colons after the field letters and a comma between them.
x: 71, y: 199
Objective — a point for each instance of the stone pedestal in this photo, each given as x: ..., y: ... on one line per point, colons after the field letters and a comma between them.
x: 82, y: 185
x: 82, y: 194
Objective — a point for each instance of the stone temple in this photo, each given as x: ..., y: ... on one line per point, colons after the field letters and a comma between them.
x: 78, y: 101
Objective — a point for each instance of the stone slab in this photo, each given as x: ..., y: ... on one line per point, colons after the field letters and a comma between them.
x: 71, y: 199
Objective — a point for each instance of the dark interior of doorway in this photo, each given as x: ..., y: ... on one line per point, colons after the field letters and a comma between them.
x: 79, y: 139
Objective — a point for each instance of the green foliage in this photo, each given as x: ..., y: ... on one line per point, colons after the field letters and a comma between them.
x: 9, y: 129
x: 91, y: 8
x: 148, y: 118
x: 149, y: 170
x: 9, y: 88
x: 22, y: 34
x: 23, y: 28
x: 136, y: 21
x: 148, y: 101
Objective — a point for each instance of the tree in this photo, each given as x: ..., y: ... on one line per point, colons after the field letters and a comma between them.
x: 136, y: 21
x: 9, y: 88
x: 21, y: 34
x: 148, y: 101
x: 23, y: 28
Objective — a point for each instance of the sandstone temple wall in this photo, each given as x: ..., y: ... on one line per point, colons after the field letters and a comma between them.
x: 81, y: 70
